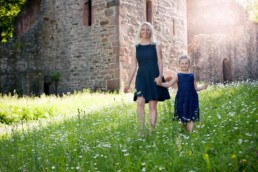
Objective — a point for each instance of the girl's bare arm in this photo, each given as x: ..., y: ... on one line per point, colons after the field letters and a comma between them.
x: 200, y: 87
x: 170, y: 83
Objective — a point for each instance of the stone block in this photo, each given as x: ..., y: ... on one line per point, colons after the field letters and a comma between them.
x: 113, y: 84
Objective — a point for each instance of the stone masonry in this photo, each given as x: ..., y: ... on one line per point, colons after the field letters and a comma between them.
x: 56, y: 37
x: 222, y: 42
x: 63, y: 46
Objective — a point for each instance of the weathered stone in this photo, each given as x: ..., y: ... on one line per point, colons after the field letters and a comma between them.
x: 113, y: 84
x: 112, y: 3
x: 109, y: 12
x: 221, y: 41
x: 54, y: 38
x: 103, y: 22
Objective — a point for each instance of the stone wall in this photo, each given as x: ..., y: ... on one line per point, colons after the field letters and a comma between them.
x: 58, y: 41
x: 20, y: 63
x: 222, y: 42
x: 53, y: 37
x: 86, y: 56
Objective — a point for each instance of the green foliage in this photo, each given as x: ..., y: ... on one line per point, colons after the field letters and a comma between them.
x: 252, y: 8
x: 18, y: 45
x: 13, y: 108
x: 9, y: 9
x: 56, y: 76
x: 104, y: 136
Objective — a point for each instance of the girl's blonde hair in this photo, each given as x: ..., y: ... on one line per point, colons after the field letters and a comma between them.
x: 184, y: 57
x: 138, y: 38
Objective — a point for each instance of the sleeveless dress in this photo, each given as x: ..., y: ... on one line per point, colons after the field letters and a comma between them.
x: 148, y: 70
x: 186, y: 101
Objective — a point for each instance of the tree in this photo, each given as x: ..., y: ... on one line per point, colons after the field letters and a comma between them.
x: 9, y: 9
x: 252, y: 8
x: 56, y: 76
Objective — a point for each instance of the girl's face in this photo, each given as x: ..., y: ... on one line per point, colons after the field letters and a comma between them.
x: 145, y: 31
x: 184, y: 65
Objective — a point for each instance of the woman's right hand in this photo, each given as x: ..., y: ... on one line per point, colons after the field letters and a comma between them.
x: 126, y: 88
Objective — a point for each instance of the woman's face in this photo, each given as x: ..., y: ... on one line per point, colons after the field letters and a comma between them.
x: 145, y: 31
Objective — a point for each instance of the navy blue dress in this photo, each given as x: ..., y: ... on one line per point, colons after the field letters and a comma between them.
x: 148, y: 70
x: 186, y: 101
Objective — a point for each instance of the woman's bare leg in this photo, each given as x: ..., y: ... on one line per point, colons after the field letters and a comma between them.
x: 140, y: 112
x: 153, y: 114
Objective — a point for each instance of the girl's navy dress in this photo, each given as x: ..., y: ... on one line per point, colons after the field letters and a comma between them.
x: 148, y: 70
x: 186, y: 101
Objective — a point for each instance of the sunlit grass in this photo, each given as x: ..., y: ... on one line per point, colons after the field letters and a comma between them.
x: 14, y: 109
x: 107, y: 138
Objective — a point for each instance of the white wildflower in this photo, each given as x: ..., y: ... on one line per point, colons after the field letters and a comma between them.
x: 240, y: 141
x: 124, y: 150
x: 248, y: 134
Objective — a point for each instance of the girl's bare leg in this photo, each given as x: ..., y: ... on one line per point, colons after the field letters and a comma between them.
x: 184, y: 125
x: 190, y: 126
x: 140, y: 112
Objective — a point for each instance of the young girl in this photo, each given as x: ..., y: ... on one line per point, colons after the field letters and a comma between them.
x: 186, y: 101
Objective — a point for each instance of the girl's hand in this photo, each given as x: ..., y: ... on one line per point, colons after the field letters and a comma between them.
x: 205, y: 86
x: 158, y: 80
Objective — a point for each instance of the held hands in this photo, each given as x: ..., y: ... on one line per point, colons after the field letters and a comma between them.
x: 158, y: 80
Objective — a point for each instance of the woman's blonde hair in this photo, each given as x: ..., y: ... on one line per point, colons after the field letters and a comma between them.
x: 184, y: 57
x: 138, y: 38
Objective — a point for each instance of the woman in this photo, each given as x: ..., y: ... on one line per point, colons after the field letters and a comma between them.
x: 148, y: 56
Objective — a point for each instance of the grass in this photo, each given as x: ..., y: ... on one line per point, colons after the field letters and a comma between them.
x: 95, y: 135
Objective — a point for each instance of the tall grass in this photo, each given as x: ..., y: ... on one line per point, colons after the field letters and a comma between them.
x: 14, y: 110
x: 107, y: 139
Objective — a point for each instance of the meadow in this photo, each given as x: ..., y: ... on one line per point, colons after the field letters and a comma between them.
x: 94, y: 132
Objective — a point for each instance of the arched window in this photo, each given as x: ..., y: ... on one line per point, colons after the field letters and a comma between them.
x: 174, y: 27
x: 87, y: 11
x: 149, y: 11
x: 27, y: 17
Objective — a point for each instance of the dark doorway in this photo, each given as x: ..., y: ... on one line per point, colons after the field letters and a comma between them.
x: 46, y: 88
x: 226, y: 70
